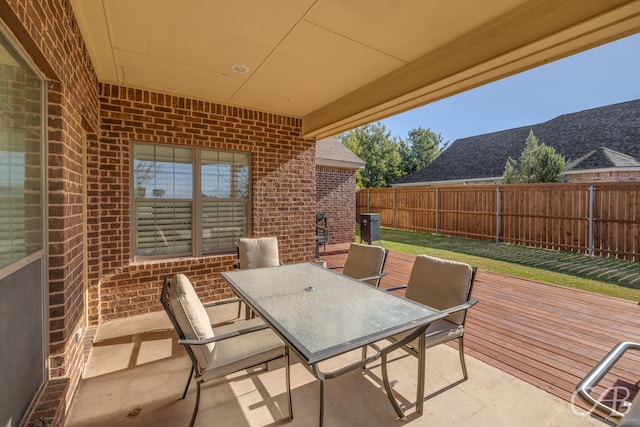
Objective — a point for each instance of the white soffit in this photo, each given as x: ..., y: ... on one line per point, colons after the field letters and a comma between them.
x: 336, y: 64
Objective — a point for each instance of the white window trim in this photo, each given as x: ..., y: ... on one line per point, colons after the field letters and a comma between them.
x: 196, y: 202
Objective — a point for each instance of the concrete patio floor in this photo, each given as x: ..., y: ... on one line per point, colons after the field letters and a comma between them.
x: 136, y: 374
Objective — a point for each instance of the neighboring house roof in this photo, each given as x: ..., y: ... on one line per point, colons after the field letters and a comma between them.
x: 599, y: 138
x: 331, y: 152
x: 603, y: 158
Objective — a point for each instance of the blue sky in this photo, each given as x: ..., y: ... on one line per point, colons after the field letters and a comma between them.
x: 605, y: 75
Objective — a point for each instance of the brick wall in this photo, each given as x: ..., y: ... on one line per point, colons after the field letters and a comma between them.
x: 606, y: 176
x: 94, y: 227
x: 336, y: 197
x: 283, y: 189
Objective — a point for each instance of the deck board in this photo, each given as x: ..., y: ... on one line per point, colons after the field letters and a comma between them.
x: 547, y: 335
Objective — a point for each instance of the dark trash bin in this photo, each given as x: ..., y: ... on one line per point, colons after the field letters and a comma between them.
x: 369, y: 227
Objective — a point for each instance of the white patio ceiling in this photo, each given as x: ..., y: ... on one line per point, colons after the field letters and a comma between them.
x: 337, y: 64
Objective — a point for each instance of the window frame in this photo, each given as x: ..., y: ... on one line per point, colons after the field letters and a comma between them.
x: 197, y: 202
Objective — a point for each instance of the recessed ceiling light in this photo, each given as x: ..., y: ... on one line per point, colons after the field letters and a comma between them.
x: 240, y: 69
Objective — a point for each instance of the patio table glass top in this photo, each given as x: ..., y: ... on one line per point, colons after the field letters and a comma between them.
x: 321, y: 313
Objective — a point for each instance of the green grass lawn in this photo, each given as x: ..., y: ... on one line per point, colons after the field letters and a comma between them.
x: 607, y: 276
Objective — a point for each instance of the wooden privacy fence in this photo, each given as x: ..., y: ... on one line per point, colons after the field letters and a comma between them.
x: 597, y: 219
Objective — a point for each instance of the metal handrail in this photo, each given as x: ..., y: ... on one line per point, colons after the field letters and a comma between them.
x: 598, y: 372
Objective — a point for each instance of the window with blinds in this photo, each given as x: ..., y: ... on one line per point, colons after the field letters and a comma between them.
x: 189, y: 201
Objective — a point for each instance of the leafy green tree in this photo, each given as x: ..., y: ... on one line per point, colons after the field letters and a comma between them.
x: 422, y: 147
x: 380, y: 152
x: 537, y: 163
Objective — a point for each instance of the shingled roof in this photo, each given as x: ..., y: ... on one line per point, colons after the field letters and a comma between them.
x: 331, y: 152
x: 599, y: 138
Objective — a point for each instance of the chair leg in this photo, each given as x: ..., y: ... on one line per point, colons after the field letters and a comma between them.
x: 195, y: 409
x: 239, y: 309
x: 188, y: 382
x: 321, y: 402
x: 461, y: 351
x: 364, y: 356
x: 288, y: 379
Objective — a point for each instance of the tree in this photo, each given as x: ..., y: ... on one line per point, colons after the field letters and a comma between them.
x: 537, y: 163
x: 380, y: 152
x: 422, y: 147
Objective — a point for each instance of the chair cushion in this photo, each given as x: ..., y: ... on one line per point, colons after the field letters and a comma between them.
x: 192, y: 318
x: 440, y: 284
x: 364, y: 261
x: 243, y: 351
x: 258, y: 253
x: 442, y: 331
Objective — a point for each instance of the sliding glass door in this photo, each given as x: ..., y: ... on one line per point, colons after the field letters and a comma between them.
x: 23, y: 290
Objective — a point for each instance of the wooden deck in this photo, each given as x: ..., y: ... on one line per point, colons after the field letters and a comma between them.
x: 547, y: 335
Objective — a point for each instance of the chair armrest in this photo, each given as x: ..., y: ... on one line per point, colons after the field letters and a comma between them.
x: 396, y: 288
x: 377, y: 276
x: 223, y: 336
x: 467, y: 305
x: 222, y: 302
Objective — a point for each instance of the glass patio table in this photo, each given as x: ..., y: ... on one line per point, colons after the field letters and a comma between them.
x: 321, y: 314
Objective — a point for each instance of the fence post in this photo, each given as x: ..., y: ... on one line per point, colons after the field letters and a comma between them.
x: 437, y: 211
x: 393, y: 193
x: 591, y: 201
x: 497, y: 214
x: 368, y: 200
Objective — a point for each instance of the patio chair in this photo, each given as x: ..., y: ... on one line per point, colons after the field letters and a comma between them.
x: 218, y: 352
x: 258, y: 253
x: 322, y: 233
x: 365, y: 263
x: 446, y: 286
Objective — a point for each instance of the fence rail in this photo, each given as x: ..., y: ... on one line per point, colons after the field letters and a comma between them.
x: 597, y: 219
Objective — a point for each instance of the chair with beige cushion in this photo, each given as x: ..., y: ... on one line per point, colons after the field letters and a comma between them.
x: 446, y: 286
x: 217, y: 352
x: 365, y: 263
x: 258, y: 253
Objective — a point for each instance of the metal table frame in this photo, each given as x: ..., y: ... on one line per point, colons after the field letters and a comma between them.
x: 266, y: 288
